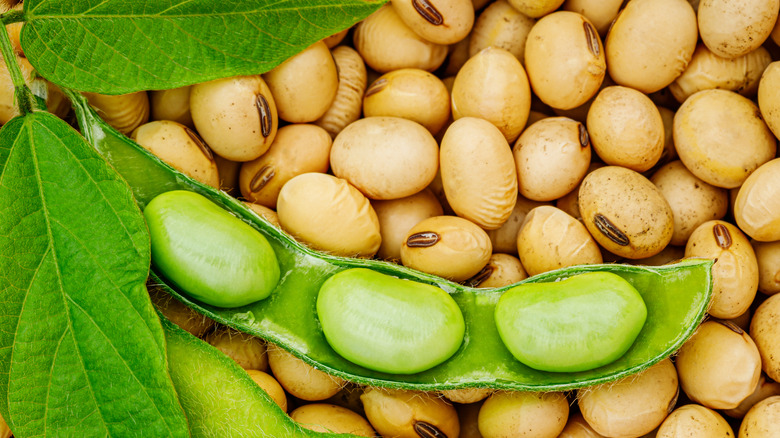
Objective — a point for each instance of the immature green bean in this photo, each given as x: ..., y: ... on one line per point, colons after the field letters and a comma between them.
x: 388, y: 324
x: 210, y: 254
x: 576, y: 324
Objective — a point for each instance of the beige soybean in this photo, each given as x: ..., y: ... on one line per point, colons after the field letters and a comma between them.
x: 248, y: 351
x: 504, y: 239
x: 769, y: 97
x: 409, y: 93
x: 763, y: 420
x: 325, y: 417
x: 536, y: 8
x: 721, y: 137
x: 466, y: 395
x: 764, y: 389
x: 124, y: 112
x: 626, y: 128
x: 501, y: 270
x: 297, y: 149
x: 651, y: 43
x: 577, y: 427
x: 564, y: 59
x: 523, y: 414
x: 708, y: 70
x: 694, y: 421
x: 348, y: 102
x: 765, y: 330
x: 300, y: 379
x: 719, y: 365
x: 387, y: 44
x: 692, y: 200
x: 335, y: 39
x: 625, y: 212
x: 398, y: 216
x: 329, y: 214
x: 447, y: 246
x: 178, y: 313
x: 236, y: 116
x: 768, y: 257
x: 551, y: 239
x: 304, y: 85
x: 757, y: 206
x: 735, y: 28
x: 270, y: 386
x: 735, y: 272
x: 409, y: 414
x: 501, y: 25
x: 438, y: 21
x: 633, y: 405
x: 173, y: 104
x: 264, y: 212
x: 478, y: 172
x: 180, y: 147
x: 385, y: 157
x: 552, y: 156
x: 600, y: 12
x: 493, y: 85
x: 569, y: 203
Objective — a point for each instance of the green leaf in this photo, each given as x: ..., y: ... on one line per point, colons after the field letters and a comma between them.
x: 82, y: 351
x: 120, y: 46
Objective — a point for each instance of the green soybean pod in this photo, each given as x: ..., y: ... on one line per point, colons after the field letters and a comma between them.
x: 388, y: 324
x: 577, y: 324
x: 210, y: 254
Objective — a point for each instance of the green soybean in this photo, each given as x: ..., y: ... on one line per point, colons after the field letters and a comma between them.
x: 209, y: 253
x: 676, y: 296
x: 389, y: 324
x: 576, y: 324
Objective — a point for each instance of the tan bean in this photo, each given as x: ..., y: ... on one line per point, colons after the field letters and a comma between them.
x: 300, y: 379
x: 733, y: 29
x: 501, y: 25
x: 398, y: 216
x: 438, y: 21
x: 695, y: 421
x: 762, y: 420
x: 501, y: 270
x: 324, y: 417
x: 409, y: 414
x: 270, y: 386
x: 768, y: 257
x: 523, y: 414
x: 124, y: 112
x: 757, y: 206
x: 765, y: 330
x: 173, y: 104
x: 347, y: 104
x: 248, y: 351
x: 600, y: 12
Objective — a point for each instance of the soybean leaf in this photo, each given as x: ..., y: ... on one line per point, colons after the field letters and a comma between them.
x: 120, y: 46
x: 82, y: 352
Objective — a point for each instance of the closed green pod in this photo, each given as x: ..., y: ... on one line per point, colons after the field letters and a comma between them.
x: 576, y: 324
x: 389, y: 324
x: 210, y: 254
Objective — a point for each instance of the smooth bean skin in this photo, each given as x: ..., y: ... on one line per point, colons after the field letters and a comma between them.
x: 564, y: 59
x: 297, y: 149
x: 762, y: 420
x: 504, y: 239
x: 651, y: 43
x: 764, y: 389
x: 304, y: 85
x: 535, y: 8
x: 478, y: 172
x: 500, y: 25
x: 633, y: 405
x: 325, y: 417
x: 765, y: 330
x: 625, y: 212
x: 734, y: 28
x: 442, y: 22
x: 706, y: 128
x: 173, y: 104
x: 270, y: 386
x: 577, y: 427
x: 248, y: 351
x: 577, y: 324
x: 236, y: 116
x: 409, y: 414
x: 551, y: 239
x: 719, y: 365
x: 735, y: 272
x: 757, y: 207
x: 387, y: 324
x: 210, y: 254
x: 768, y: 257
x: 178, y: 146
x: 600, y: 12
x: 329, y: 214
x: 447, y: 246
x: 385, y: 157
x: 523, y: 414
x: 300, y: 379
x: 501, y: 270
x: 398, y: 216
x: 347, y: 103
x: 693, y: 420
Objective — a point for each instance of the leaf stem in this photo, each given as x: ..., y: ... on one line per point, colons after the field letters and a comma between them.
x: 24, y: 96
x: 12, y: 17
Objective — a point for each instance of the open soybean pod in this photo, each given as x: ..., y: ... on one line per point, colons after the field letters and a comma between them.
x: 676, y: 297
